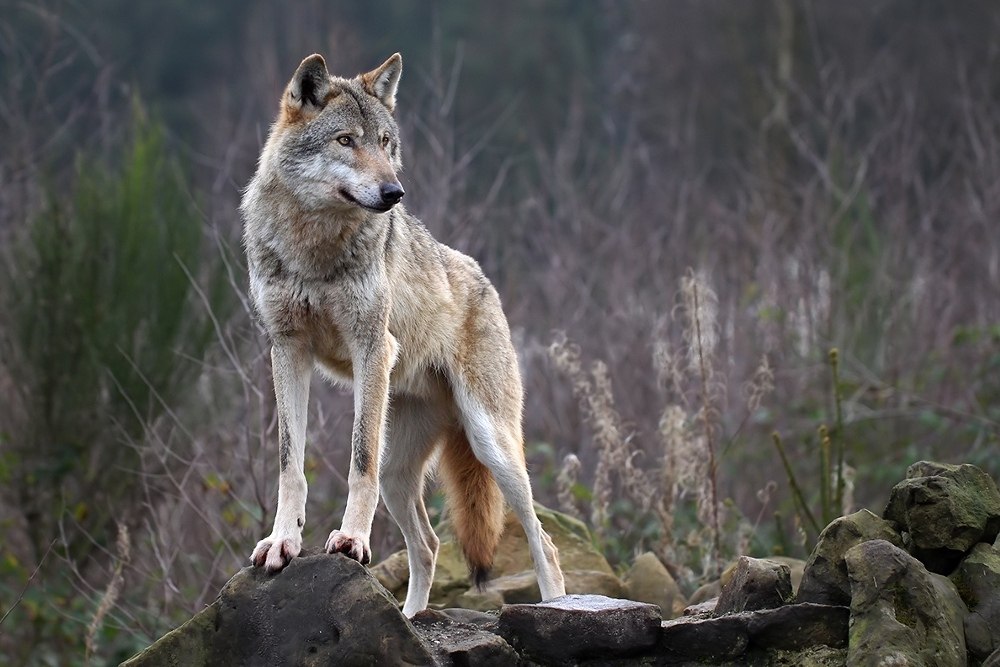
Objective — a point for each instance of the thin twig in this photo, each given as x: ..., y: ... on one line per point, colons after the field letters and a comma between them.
x: 28, y: 582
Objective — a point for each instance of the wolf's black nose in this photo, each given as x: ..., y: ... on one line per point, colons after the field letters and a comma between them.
x: 391, y: 193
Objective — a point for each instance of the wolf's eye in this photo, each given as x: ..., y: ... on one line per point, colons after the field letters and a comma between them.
x: 385, y: 140
x: 345, y: 141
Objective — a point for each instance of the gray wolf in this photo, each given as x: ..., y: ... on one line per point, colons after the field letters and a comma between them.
x: 347, y: 282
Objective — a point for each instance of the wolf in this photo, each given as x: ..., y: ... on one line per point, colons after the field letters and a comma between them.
x: 344, y: 280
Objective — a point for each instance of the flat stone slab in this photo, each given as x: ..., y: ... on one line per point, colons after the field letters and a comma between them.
x: 576, y: 627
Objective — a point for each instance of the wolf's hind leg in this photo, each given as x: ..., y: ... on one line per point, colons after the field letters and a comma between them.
x: 413, y: 429
x: 499, y: 447
x: 292, y: 369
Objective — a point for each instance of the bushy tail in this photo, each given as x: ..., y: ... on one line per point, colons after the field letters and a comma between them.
x: 475, y: 504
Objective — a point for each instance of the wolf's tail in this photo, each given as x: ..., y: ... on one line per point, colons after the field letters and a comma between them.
x: 475, y: 504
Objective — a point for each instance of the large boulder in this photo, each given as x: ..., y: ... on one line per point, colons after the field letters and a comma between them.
x: 901, y: 614
x: 943, y: 511
x: 575, y: 627
x: 825, y: 579
x: 978, y: 581
x: 649, y: 581
x: 320, y: 610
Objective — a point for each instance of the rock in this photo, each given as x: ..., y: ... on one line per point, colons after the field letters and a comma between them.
x: 592, y: 582
x: 977, y: 579
x: 474, y: 599
x: 796, y: 567
x: 756, y: 637
x: 451, y: 576
x: 945, y: 510
x: 796, y: 627
x: 321, y: 609
x: 706, y: 608
x: 705, y: 592
x: 463, y: 644
x: 520, y: 588
x: 825, y: 580
x: 393, y: 573
x: 703, y: 639
x: 575, y: 627
x: 755, y: 584
x: 649, y: 581
x: 901, y: 613
x: 189, y: 644
x: 470, y: 617
x: 818, y: 656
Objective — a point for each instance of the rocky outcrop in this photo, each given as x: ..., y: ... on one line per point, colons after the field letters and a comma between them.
x: 865, y: 598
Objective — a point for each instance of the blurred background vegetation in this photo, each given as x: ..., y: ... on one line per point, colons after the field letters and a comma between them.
x: 821, y: 175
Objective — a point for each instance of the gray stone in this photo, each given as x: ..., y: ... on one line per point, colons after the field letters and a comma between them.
x: 796, y: 627
x: 978, y: 581
x: 825, y: 580
x: 945, y: 510
x: 321, y: 609
x: 796, y: 567
x: 470, y: 617
x: 649, y: 581
x: 705, y: 592
x: 755, y: 584
x: 706, y: 608
x: 817, y: 656
x: 464, y: 644
x: 901, y: 613
x: 755, y: 637
x: 703, y: 639
x: 575, y: 627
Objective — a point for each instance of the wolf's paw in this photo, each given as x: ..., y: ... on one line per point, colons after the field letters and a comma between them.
x: 275, y: 552
x: 350, y: 546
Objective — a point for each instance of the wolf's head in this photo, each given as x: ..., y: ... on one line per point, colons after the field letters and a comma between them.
x: 335, y: 143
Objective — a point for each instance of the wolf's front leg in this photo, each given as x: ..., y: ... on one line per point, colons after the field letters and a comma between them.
x: 371, y: 399
x: 291, y: 367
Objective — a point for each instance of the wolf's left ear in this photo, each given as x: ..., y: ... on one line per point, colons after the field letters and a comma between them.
x: 382, y: 82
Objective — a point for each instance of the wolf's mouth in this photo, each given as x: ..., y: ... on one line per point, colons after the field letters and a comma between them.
x: 347, y: 195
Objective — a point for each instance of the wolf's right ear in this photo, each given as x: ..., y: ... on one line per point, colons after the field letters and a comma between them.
x: 309, y: 90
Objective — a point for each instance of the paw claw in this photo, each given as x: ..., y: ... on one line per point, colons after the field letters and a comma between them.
x: 274, y: 553
x: 349, y: 545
